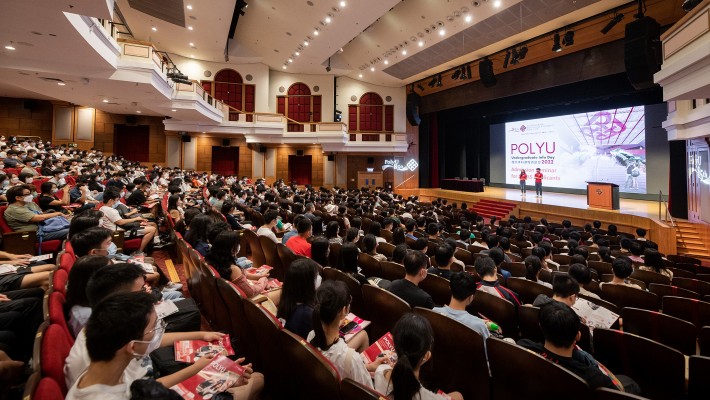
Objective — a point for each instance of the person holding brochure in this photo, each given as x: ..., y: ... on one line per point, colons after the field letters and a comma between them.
x: 333, y: 305
x: 538, y: 183
x: 523, y: 177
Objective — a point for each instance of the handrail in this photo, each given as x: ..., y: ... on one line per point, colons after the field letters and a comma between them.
x: 668, y: 213
x: 292, y: 121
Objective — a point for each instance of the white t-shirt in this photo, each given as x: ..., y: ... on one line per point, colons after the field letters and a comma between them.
x: 78, y: 361
x: 347, y: 361
x: 384, y: 386
x: 110, y: 217
x: 268, y: 233
x: 122, y: 391
x: 79, y: 316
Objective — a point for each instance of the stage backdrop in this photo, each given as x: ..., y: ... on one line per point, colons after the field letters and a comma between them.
x: 607, y: 146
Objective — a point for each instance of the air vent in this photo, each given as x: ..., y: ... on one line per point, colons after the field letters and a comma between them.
x: 172, y: 11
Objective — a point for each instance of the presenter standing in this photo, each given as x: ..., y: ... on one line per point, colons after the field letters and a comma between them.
x: 538, y: 183
x: 523, y: 177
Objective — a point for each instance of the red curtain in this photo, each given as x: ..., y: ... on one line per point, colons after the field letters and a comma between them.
x: 225, y: 160
x: 434, y: 151
x: 299, y: 169
x: 131, y: 142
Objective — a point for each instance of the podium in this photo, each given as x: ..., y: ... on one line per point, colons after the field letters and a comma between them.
x: 369, y: 179
x: 603, y: 195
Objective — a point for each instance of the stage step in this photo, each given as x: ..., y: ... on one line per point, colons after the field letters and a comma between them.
x: 489, y: 208
x: 692, y: 241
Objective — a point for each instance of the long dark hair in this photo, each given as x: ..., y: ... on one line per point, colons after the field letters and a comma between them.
x: 398, y: 236
x: 197, y: 231
x: 319, y: 250
x: 221, y: 254
x: 299, y: 286
x: 413, y: 337
x: 331, y: 297
x: 349, y: 254
x: 79, y: 276
x: 172, y: 202
x: 331, y: 230
x: 652, y: 258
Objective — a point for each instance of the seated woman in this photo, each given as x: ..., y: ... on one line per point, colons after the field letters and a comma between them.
x: 298, y: 296
x: 320, y: 249
x: 376, y: 230
x: 332, y: 306
x: 533, y: 266
x: 622, y: 268
x: 222, y: 256
x: 136, y: 227
x: 653, y: 261
x: 228, y: 210
x: 413, y: 340
x: 77, y: 305
x: 47, y: 200
x: 349, y: 254
x: 196, y: 234
x: 370, y: 243
x: 332, y: 232
x: 176, y: 211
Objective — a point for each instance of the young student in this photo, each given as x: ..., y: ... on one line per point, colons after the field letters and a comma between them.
x: 415, y: 265
x: 463, y: 290
x: 486, y: 269
x: 622, y: 269
x: 538, y: 183
x: 523, y: 177
x: 444, y: 257
x: 299, y: 243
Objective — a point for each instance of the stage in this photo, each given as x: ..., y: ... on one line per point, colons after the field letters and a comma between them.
x: 558, y: 206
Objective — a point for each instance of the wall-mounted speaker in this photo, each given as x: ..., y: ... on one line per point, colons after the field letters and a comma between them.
x: 262, y: 149
x: 485, y: 70
x: 370, y: 160
x: 186, y: 138
x: 331, y: 157
x: 642, y: 52
x: 225, y: 142
x: 413, y: 109
x: 299, y: 152
x: 30, y: 105
x: 131, y: 120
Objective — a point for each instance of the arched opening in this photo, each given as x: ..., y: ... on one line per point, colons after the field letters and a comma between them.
x: 299, y: 105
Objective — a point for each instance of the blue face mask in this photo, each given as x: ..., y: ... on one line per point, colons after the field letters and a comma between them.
x: 115, y: 205
x: 112, y: 249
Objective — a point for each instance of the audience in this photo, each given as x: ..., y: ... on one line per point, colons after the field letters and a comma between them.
x: 463, y: 290
x: 415, y: 265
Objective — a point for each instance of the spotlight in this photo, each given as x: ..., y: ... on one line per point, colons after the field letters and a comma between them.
x: 523, y: 52
x: 468, y: 71
x: 432, y: 83
x: 568, y: 40
x: 327, y: 69
x: 515, y: 57
x: 438, y: 81
x: 464, y: 76
x: 456, y: 74
x: 556, y: 43
x: 617, y: 18
x: 420, y: 87
x: 507, y: 59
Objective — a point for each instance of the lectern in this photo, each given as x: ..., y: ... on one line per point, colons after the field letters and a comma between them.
x: 603, y: 195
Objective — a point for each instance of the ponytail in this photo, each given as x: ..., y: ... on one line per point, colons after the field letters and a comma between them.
x: 319, y: 339
x: 404, y: 383
x: 331, y: 297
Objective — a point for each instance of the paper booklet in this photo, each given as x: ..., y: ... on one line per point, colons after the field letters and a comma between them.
x: 165, y: 308
x: 191, y: 350
x: 595, y: 316
x: 360, y: 324
x: 264, y: 269
x: 382, y: 345
x: 41, y: 258
x: 220, y: 375
x: 7, y: 269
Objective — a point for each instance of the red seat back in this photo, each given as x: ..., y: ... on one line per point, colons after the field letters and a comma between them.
x: 55, y: 349
x: 56, y: 314
x: 3, y: 224
x: 48, y: 389
x: 59, y: 282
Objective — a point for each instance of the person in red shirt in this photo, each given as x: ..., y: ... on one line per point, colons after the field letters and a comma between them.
x: 299, y: 244
x: 523, y: 177
x: 538, y: 183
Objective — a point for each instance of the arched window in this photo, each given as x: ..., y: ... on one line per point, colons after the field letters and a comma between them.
x: 299, y: 105
x: 371, y: 115
x: 230, y: 88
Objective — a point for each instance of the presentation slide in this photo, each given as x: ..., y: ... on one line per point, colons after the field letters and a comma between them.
x: 570, y: 150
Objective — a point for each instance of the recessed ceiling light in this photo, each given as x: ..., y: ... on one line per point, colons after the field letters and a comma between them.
x: 189, y: 27
x: 343, y: 4
x: 284, y: 67
x: 404, y: 52
x: 173, y: 110
x: 192, y: 56
x: 61, y: 83
x: 327, y: 20
x: 290, y: 60
x: 154, y: 29
x: 298, y: 53
x: 10, y: 47
x: 359, y: 76
x: 189, y: 7
x: 421, y: 43
x: 497, y: 3
x: 442, y: 32
x: 105, y: 100
x: 139, y: 111
x: 372, y: 69
x: 316, y: 33
x: 468, y: 18
x: 386, y: 62
x: 305, y: 42
x: 192, y: 44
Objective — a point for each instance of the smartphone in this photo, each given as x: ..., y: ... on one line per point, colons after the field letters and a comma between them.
x: 348, y: 327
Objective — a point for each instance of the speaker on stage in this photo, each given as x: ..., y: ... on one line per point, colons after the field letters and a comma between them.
x: 485, y: 70
x: 642, y: 52
x: 186, y: 138
x: 413, y: 109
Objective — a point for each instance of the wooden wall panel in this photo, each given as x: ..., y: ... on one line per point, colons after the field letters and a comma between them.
x: 15, y: 119
x: 317, y: 157
x: 103, y: 134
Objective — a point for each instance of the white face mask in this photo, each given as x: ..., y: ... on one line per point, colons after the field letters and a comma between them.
x: 153, y: 343
x: 15, y: 180
x: 28, y: 198
x: 29, y: 180
x: 62, y: 182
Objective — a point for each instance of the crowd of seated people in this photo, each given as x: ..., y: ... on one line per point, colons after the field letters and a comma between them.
x: 106, y: 194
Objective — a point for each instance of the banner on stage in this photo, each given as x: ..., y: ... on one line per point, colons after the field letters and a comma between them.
x: 599, y: 146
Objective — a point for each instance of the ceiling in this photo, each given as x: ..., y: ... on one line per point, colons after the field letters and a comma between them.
x: 376, y: 41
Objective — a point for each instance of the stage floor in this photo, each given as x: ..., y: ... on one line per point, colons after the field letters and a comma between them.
x: 641, y: 208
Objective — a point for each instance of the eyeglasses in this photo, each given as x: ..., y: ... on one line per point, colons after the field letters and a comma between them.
x: 160, y: 325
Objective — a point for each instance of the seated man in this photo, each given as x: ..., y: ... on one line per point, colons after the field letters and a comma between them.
x: 80, y: 194
x: 463, y: 289
x: 560, y: 327
x: 498, y: 257
x: 622, y: 269
x: 564, y: 289
x: 24, y: 215
x: 299, y: 243
x: 444, y: 257
x: 415, y: 264
x: 125, y: 326
x: 112, y: 220
x: 486, y: 269
x: 583, y: 276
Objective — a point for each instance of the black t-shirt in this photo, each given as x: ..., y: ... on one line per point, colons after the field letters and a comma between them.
x: 444, y: 273
x: 136, y: 198
x: 44, y: 203
x: 411, y: 293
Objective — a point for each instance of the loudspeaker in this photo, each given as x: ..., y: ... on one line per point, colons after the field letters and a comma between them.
x: 131, y: 120
x: 225, y: 142
x: 262, y: 149
x: 331, y: 157
x: 642, y: 52
x: 30, y: 105
x: 370, y: 160
x: 299, y: 152
x: 413, y: 109
x: 186, y: 138
x: 485, y: 71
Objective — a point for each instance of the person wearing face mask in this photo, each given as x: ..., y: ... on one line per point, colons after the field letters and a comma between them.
x: 48, y: 200
x: 4, y: 186
x: 80, y: 194
x: 24, y: 215
x: 12, y: 160
x: 112, y: 220
x: 58, y: 177
x: 29, y: 168
x: 26, y: 178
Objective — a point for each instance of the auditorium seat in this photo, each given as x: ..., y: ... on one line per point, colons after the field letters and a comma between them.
x: 388, y: 309
x: 684, y: 259
x: 510, y: 363
x: 464, y: 255
x: 438, y: 288
x: 334, y: 255
x: 694, y: 311
x: 220, y: 318
x: 456, y: 342
x: 561, y: 259
x: 698, y: 373
x: 351, y: 390
x: 311, y: 374
x: 528, y: 316
x: 271, y: 258
x: 358, y: 305
x: 59, y: 280
x: 625, y: 296
x: 56, y: 303
x: 601, y: 267
x: 649, y: 277
x: 498, y: 310
x: 697, y: 286
x: 243, y: 332
x: 658, y: 369
x: 704, y: 341
x: 613, y: 394
x: 606, y: 304
x: 370, y: 266
x: 688, y: 267
x: 55, y: 349
x: 24, y: 242
x: 43, y: 389
x: 286, y: 255
x: 385, y: 248
x: 527, y: 290
x: 257, y: 254
x: 392, y: 270
x: 668, y: 290
x: 608, y: 278
x: 681, y: 273
x: 516, y: 269
x: 671, y: 331
x: 263, y: 328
